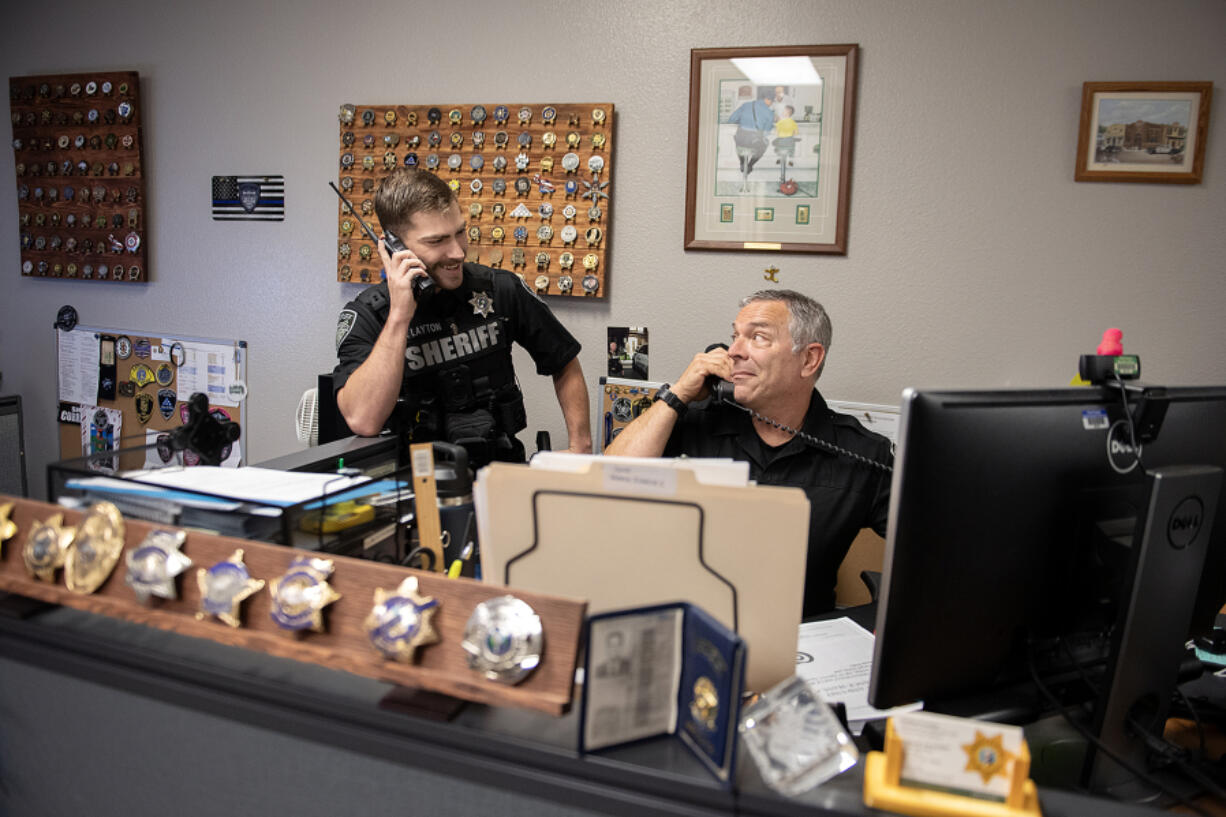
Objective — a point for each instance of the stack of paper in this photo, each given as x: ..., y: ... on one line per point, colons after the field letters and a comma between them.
x: 244, y: 502
x: 836, y: 657
x: 707, y: 470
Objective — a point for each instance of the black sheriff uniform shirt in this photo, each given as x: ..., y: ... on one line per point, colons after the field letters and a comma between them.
x: 473, y: 326
x: 844, y: 495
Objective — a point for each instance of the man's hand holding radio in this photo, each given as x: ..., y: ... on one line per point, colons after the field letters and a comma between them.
x: 401, y: 267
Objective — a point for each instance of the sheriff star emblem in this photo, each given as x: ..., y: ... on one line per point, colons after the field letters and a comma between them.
x: 987, y: 756
x: 482, y: 304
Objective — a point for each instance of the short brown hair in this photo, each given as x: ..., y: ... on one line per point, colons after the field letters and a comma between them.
x: 408, y: 191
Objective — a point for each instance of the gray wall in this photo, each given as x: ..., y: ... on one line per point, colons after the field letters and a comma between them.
x: 974, y: 259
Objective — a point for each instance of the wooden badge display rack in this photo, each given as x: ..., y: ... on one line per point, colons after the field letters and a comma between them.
x: 381, y: 137
x: 78, y: 154
x: 441, y: 667
x: 884, y: 790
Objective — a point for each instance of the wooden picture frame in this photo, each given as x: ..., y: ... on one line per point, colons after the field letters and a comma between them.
x: 1143, y: 132
x: 796, y: 168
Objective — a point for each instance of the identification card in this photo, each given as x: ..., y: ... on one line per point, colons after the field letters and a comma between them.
x: 670, y: 669
x: 957, y: 755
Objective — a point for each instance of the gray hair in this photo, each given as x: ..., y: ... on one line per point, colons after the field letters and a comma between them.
x: 807, y: 319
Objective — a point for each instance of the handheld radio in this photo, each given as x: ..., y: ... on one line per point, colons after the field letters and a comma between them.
x: 422, y: 283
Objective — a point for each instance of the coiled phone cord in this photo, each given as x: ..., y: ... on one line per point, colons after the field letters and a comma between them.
x: 815, y: 441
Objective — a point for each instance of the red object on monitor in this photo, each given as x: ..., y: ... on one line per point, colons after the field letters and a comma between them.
x: 1110, y: 344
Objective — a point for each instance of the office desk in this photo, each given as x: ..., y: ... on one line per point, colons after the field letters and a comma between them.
x: 379, y: 452
x: 101, y: 716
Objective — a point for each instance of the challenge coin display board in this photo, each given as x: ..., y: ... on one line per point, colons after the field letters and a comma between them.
x: 533, y: 182
x: 80, y: 175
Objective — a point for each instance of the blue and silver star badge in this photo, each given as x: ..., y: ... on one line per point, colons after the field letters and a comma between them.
x: 399, y: 623
x: 300, y: 596
x: 224, y: 587
x: 482, y: 304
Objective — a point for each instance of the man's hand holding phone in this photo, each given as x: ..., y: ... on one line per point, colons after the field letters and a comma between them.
x: 693, y: 383
x: 403, y: 268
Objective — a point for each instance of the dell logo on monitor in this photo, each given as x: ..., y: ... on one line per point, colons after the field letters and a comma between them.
x: 1184, y: 522
x: 1121, y: 453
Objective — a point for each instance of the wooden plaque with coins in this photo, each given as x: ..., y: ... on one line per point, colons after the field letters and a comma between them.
x: 533, y: 182
x: 80, y: 175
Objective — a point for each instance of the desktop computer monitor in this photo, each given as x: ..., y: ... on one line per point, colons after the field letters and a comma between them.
x: 1024, y: 533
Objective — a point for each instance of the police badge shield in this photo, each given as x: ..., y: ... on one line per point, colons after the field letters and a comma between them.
x: 144, y: 407
x: 249, y: 196
x: 344, y: 325
x: 166, y: 403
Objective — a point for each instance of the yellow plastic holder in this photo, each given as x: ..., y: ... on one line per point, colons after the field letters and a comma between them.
x: 883, y: 788
x: 336, y: 517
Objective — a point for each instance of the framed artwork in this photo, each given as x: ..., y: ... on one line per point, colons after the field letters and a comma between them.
x: 771, y: 132
x: 1143, y: 132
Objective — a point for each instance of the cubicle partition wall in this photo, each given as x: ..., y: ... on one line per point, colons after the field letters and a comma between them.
x: 12, y: 448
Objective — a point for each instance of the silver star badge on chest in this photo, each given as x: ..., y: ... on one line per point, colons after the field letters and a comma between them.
x: 482, y: 304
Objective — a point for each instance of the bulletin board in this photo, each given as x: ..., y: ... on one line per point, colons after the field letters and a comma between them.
x: 121, y: 389
x: 622, y: 401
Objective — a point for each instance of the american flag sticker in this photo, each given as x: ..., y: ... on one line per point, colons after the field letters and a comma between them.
x: 249, y: 198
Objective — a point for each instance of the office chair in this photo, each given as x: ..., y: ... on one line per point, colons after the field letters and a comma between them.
x: 332, y: 425
x: 860, y: 573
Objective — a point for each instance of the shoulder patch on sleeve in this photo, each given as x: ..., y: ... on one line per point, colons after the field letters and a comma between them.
x: 523, y: 282
x: 344, y: 325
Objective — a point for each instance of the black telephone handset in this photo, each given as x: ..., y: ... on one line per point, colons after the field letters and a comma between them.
x: 722, y: 391
x: 422, y: 283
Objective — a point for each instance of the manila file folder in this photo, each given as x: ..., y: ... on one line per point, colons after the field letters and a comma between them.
x: 632, y: 535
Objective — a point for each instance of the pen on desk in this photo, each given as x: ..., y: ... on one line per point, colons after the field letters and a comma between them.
x: 458, y: 564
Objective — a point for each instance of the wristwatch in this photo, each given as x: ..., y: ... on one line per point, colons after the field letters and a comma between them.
x: 671, y: 400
